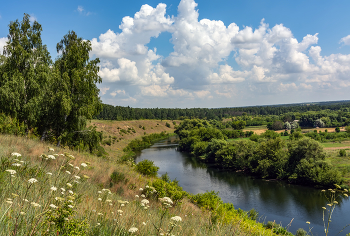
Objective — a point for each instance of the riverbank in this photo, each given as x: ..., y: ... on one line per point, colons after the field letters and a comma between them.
x: 109, y: 190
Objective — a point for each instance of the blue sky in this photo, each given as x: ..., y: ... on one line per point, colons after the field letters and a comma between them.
x: 190, y: 53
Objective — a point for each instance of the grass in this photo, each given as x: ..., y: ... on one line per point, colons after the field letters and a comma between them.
x: 343, y: 144
x: 112, y: 129
x: 89, y: 203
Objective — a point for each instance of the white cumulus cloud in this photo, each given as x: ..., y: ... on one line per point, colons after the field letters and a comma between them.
x: 268, y: 59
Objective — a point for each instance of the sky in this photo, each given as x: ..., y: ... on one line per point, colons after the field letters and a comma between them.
x: 223, y: 53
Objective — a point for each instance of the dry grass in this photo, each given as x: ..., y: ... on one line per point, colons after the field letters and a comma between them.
x: 110, y: 128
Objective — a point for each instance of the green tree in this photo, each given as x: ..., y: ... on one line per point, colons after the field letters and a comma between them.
x: 76, y: 94
x: 24, y: 72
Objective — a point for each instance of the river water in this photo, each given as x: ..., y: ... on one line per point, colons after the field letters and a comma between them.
x: 274, y: 200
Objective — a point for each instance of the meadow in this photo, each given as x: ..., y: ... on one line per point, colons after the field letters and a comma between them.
x: 47, y: 190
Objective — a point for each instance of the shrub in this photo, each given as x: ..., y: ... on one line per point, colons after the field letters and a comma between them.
x: 117, y: 177
x: 342, y: 153
x: 167, y: 124
x: 147, y: 167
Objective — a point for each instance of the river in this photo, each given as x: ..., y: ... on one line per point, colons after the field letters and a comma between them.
x: 274, y: 200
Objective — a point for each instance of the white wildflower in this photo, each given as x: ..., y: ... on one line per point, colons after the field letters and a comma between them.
x: 35, y: 204
x: 142, y: 195
x: 77, y: 167
x: 52, y: 157
x: 68, y: 172
x: 51, y: 149
x: 70, y: 206
x: 145, y: 201
x: 137, y: 196
x: 16, y: 164
x: 100, y: 214
x: 16, y: 154
x: 70, y: 201
x: 143, y: 223
x: 32, y: 180
x: 176, y: 218
x: 53, y: 188
x: 166, y: 200
x: 98, y: 224
x: 99, y: 192
x: 9, y: 202
x: 49, y: 173
x: 119, y: 211
x: 53, y: 206
x: 147, y: 186
x: 12, y: 172
x: 99, y: 199
x: 22, y: 213
x: 140, y: 189
x: 70, y: 191
x: 77, y: 177
x: 83, y: 164
x: 122, y: 205
x: 63, y: 189
x: 133, y: 230
x: 69, y: 185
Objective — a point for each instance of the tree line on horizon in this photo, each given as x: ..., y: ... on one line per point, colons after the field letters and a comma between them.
x: 333, y: 113
x: 45, y: 98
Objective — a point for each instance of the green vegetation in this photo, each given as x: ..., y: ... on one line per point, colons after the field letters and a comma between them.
x: 301, y: 160
x: 147, y: 167
x: 334, y: 113
x: 47, y: 99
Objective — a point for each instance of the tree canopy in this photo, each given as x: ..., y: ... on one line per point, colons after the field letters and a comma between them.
x: 53, y: 99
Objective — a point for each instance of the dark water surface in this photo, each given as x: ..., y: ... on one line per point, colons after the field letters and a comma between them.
x: 274, y: 200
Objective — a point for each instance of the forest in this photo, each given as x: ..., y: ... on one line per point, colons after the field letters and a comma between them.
x: 332, y: 114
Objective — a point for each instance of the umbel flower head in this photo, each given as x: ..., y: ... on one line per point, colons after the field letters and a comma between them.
x: 16, y: 154
x: 32, y: 180
x: 176, y: 218
x: 12, y: 172
x: 133, y: 229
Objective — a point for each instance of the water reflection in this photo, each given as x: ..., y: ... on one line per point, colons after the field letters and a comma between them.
x: 273, y: 200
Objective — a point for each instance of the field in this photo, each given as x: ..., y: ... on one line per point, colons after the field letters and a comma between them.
x: 261, y: 129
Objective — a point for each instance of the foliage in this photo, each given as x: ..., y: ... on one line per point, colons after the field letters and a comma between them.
x: 147, y: 167
x: 266, y: 156
x: 54, y: 99
x: 145, y: 142
x: 342, y: 153
x: 25, y: 73
x: 10, y: 125
x: 168, y: 188
x: 337, y: 112
x: 117, y: 177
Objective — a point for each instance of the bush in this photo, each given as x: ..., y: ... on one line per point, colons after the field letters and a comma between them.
x: 167, y: 124
x: 147, y: 167
x: 117, y: 177
x: 342, y: 153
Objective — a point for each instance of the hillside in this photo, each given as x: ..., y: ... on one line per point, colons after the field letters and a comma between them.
x: 66, y: 198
